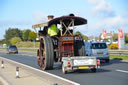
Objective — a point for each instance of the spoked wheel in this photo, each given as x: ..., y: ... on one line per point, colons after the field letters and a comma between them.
x: 46, y: 53
x: 38, y: 58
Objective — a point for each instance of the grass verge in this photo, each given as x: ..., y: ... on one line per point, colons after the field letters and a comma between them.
x: 27, y: 44
x: 122, y: 57
x: 28, y: 50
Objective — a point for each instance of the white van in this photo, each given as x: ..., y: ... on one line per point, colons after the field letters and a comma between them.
x: 98, y: 49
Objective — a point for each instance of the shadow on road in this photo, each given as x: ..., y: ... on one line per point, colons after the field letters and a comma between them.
x: 89, y: 71
x: 103, y: 69
x: 57, y: 66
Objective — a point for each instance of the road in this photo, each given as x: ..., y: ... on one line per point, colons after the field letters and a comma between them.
x: 114, y: 73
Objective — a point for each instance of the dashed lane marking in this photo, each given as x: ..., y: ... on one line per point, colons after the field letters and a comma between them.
x: 122, y: 71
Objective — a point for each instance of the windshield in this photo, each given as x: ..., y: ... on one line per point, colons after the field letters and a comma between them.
x: 99, y: 46
x: 12, y: 47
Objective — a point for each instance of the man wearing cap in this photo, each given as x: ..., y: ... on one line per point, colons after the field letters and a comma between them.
x: 52, y: 30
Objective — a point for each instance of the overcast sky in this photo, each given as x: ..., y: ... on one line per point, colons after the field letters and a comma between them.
x: 101, y: 14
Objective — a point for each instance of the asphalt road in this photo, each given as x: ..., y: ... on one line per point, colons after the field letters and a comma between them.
x: 114, y: 73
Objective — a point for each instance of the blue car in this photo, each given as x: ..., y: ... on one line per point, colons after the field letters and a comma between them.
x: 12, y: 49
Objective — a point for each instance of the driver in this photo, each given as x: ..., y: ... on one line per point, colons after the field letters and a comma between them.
x: 52, y: 30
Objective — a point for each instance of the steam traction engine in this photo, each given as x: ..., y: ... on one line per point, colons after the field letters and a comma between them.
x: 67, y: 44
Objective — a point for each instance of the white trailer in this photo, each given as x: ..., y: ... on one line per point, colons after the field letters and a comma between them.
x: 79, y: 62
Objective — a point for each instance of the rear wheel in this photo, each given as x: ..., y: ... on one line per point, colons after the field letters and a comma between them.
x: 46, y: 53
x: 38, y: 58
x: 51, y: 52
x: 79, y: 48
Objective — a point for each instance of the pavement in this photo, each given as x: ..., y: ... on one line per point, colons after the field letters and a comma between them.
x: 8, y: 77
x: 2, y: 81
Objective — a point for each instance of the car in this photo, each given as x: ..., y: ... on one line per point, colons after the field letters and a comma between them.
x: 97, y: 49
x: 12, y: 49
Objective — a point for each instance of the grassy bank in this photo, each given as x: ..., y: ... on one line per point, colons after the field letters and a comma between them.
x: 27, y: 44
x: 27, y: 50
x: 122, y: 57
x: 126, y: 44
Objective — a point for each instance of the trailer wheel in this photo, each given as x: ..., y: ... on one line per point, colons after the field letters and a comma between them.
x: 63, y: 69
x: 93, y: 70
x: 79, y: 48
x: 107, y: 60
x: 46, y: 53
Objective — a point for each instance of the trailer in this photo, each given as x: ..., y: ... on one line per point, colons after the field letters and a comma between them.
x: 67, y: 47
x: 79, y: 62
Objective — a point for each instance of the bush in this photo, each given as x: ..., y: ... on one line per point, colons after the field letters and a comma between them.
x: 113, y: 46
x: 15, y: 40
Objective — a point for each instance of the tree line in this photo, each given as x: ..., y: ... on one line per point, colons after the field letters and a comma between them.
x: 15, y: 35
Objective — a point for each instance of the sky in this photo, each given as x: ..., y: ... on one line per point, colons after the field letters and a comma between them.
x: 110, y: 15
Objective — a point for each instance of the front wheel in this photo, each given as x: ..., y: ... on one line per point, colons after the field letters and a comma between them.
x: 79, y: 48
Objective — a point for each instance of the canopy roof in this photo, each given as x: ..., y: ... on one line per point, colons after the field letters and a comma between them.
x: 67, y: 19
x: 64, y: 19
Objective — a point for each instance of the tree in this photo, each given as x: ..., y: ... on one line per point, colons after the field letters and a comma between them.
x: 32, y: 36
x: 2, y: 41
x: 13, y: 32
x: 15, y: 40
x: 83, y: 36
x: 25, y: 35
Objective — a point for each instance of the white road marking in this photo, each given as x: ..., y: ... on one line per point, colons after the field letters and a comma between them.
x: 30, y: 55
x: 122, y: 71
x: 27, y: 55
x: 124, y: 60
x: 74, y: 83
